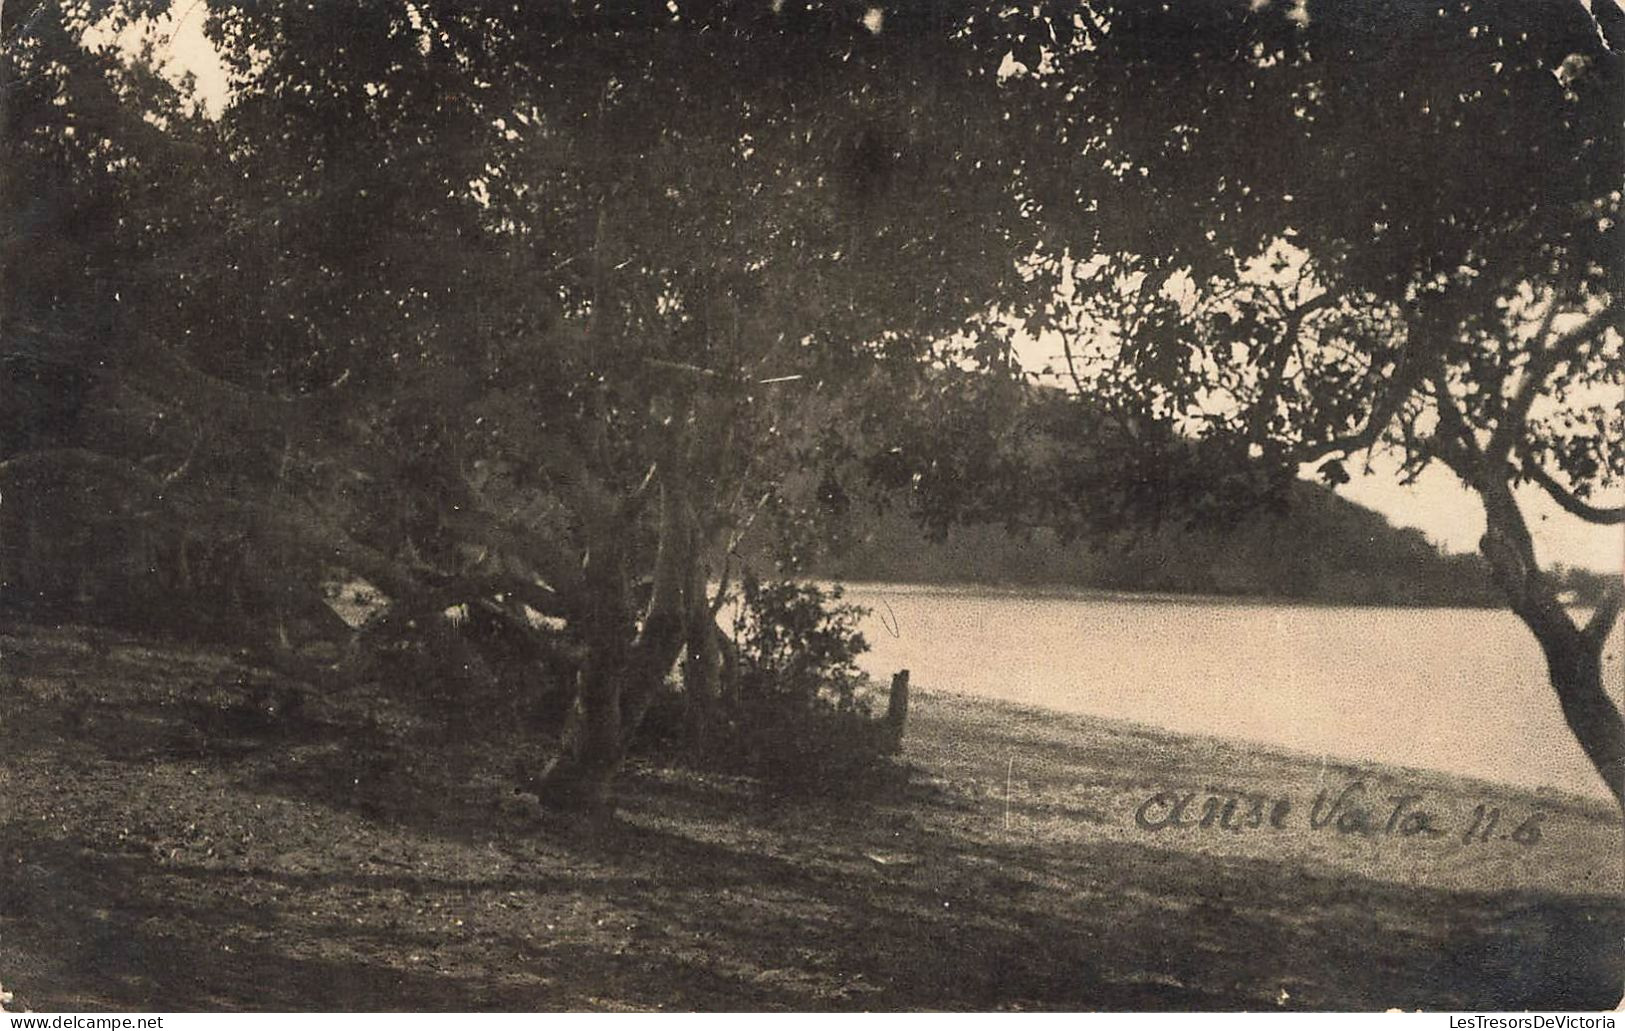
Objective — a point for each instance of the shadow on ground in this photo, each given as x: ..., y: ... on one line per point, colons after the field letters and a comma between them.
x: 170, y: 849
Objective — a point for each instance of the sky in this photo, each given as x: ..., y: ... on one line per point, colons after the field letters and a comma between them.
x: 1437, y: 504
x: 181, y: 37
x: 1450, y: 515
x: 1447, y: 512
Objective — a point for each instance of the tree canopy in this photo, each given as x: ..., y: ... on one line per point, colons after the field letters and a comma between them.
x: 537, y: 308
x: 1429, y: 266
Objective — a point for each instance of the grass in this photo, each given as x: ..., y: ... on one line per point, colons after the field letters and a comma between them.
x: 179, y: 831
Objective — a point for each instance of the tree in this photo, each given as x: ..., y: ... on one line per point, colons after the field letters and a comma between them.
x: 1416, y: 250
x: 653, y: 251
x: 96, y: 188
x: 534, y: 311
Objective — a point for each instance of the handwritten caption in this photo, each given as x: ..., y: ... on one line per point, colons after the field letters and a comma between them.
x: 1353, y: 809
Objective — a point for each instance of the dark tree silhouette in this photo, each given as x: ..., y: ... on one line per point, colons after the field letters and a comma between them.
x: 537, y: 308
x: 1416, y: 250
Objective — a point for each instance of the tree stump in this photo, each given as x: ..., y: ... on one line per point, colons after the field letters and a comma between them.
x: 897, y: 710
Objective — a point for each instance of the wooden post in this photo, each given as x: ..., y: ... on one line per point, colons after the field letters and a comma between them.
x: 897, y: 709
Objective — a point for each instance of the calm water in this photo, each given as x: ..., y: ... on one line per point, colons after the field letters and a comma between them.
x: 1462, y: 690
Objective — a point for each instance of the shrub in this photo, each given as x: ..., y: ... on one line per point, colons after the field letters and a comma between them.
x: 797, y: 713
x: 798, y: 646
x: 469, y: 666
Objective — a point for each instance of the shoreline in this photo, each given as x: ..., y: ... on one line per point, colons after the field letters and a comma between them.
x: 172, y: 846
x: 1064, y: 592
x: 1601, y: 805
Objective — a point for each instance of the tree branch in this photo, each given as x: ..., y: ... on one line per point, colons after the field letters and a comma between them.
x: 158, y: 371
x: 1603, y: 619
x: 1541, y: 365
x: 557, y: 567
x: 1071, y: 362
x: 1535, y: 375
x: 1454, y: 441
x: 1275, y: 373
x: 1388, y: 404
x: 1569, y: 502
x: 1610, y: 23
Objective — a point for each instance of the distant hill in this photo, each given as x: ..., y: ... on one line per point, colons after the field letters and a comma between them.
x: 1324, y: 549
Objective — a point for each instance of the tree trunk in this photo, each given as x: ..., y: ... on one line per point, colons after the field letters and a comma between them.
x: 1575, y: 666
x: 592, y: 744
x: 1573, y: 654
x: 620, y: 678
x: 702, y: 663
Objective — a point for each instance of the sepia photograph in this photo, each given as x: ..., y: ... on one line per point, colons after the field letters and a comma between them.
x: 676, y: 506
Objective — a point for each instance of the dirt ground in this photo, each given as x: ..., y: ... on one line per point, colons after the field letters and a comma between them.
x: 180, y: 832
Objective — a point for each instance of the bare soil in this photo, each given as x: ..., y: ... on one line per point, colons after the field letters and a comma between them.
x: 180, y: 831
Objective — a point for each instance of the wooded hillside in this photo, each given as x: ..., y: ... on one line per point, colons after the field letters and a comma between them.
x: 1323, y: 548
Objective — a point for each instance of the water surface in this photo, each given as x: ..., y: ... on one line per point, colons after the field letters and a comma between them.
x: 1460, y: 690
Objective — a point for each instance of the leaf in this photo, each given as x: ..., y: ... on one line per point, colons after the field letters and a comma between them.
x: 1333, y: 473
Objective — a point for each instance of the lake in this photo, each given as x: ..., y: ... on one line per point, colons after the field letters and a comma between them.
x: 1459, y: 690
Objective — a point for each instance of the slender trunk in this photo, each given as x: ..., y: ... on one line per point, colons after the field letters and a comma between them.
x: 620, y: 676
x: 1573, y: 654
x: 702, y: 663
x: 592, y: 744
x: 665, y: 621
x: 729, y: 653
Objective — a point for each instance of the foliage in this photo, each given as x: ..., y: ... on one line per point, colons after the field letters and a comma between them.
x: 474, y: 665
x: 1583, y: 587
x: 1321, y: 548
x: 798, y: 646
x: 795, y: 709
x: 802, y: 719
x: 540, y: 308
x: 482, y: 334
x: 1429, y: 268
x: 122, y: 463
